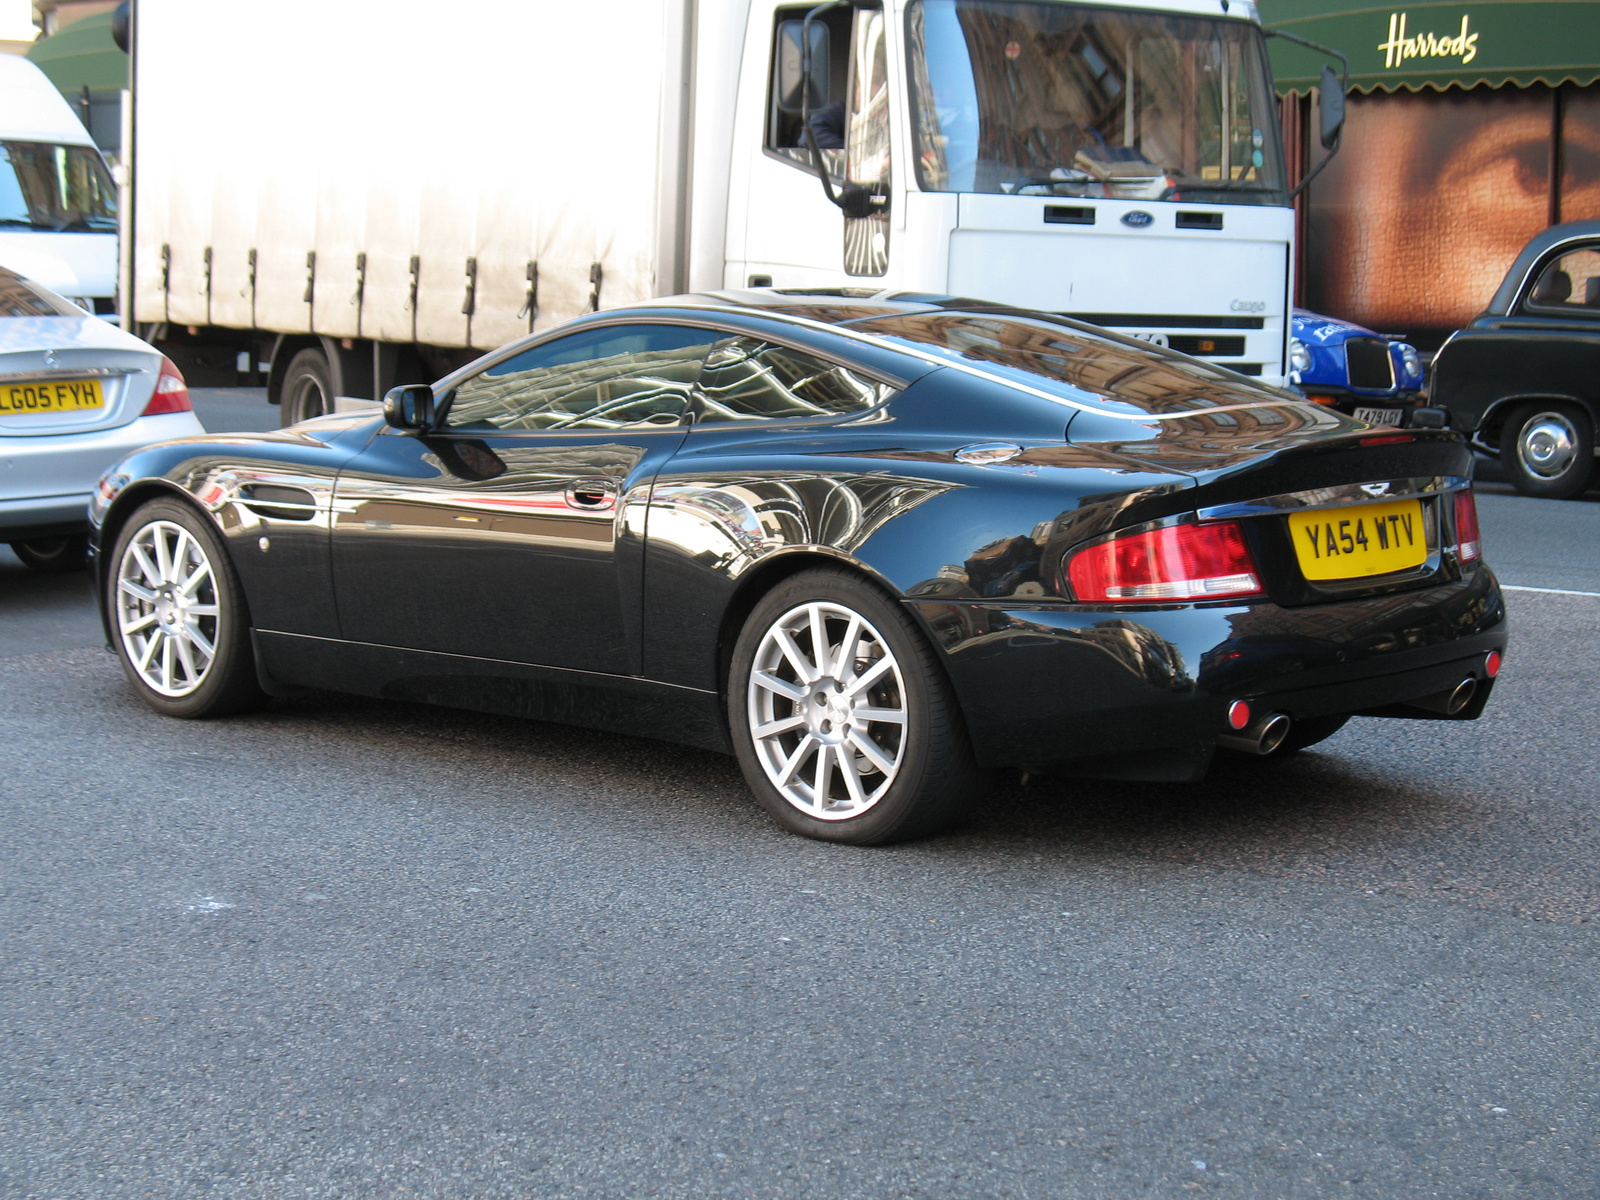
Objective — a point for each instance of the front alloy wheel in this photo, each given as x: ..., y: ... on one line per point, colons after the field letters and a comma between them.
x: 842, y: 718
x: 177, y: 613
x: 167, y: 608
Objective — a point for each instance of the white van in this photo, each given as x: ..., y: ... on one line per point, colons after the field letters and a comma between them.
x: 58, y: 204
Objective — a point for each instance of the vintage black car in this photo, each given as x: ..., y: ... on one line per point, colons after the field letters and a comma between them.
x: 1524, y: 378
x: 876, y: 546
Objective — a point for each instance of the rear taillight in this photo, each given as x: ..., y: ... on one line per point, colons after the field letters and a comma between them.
x: 172, y: 393
x: 1180, y: 562
x: 1468, y: 545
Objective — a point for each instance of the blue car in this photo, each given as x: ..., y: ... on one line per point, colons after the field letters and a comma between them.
x: 1371, y: 376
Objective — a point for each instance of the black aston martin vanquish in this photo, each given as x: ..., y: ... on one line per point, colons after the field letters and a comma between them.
x: 874, y: 545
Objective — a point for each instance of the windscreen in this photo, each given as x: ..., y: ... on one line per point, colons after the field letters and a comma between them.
x: 1060, y: 99
x: 59, y: 189
x: 21, y: 297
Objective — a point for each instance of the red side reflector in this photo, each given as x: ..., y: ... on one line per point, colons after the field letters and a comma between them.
x: 1468, y: 544
x: 1491, y: 664
x: 1180, y: 562
x: 1238, y: 715
x: 172, y: 393
x: 1387, y: 439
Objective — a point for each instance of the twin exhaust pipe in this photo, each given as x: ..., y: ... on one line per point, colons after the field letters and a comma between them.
x: 1265, y: 734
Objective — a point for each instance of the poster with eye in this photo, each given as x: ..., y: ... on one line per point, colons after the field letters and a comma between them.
x: 1412, y: 226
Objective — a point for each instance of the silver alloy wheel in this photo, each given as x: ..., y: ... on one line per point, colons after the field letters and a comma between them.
x: 827, y: 710
x: 1547, y: 445
x: 167, y: 608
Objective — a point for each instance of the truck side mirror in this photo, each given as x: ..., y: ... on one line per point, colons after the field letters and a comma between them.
x: 1330, y: 108
x: 409, y: 407
x: 790, y: 92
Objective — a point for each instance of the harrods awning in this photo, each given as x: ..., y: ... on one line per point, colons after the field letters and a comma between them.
x: 1438, y: 45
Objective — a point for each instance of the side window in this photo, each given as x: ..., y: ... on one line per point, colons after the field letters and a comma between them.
x: 746, y: 379
x: 830, y: 65
x: 1571, y: 282
x: 613, y: 377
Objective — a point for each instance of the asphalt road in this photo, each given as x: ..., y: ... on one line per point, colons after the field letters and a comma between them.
x: 342, y: 948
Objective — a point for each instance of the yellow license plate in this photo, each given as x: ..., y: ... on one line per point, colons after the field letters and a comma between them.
x: 65, y: 395
x: 1367, y: 539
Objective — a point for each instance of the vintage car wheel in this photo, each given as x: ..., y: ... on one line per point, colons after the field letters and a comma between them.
x: 181, y: 630
x: 1548, y: 450
x: 842, y: 719
x: 54, y: 555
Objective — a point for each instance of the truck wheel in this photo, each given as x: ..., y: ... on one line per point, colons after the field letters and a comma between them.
x: 842, y: 719
x: 307, y: 388
x: 54, y: 555
x: 179, y: 622
x: 1548, y: 450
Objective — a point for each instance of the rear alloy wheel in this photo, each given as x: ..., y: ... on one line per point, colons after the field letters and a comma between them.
x: 1548, y: 450
x: 178, y: 615
x: 307, y: 388
x: 842, y: 719
x: 54, y: 555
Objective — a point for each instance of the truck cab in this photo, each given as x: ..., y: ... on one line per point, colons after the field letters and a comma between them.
x: 1116, y: 163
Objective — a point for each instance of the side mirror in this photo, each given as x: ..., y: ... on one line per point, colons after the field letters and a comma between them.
x: 790, y: 93
x: 1330, y: 108
x: 410, y: 407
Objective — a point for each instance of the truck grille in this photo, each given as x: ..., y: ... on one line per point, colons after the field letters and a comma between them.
x: 1369, y: 364
x: 1188, y: 343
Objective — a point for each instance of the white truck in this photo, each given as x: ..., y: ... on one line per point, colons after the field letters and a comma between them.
x: 346, y: 196
x: 58, y: 204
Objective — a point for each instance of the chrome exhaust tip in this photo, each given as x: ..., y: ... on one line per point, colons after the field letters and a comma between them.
x: 1462, y: 696
x: 1261, y: 738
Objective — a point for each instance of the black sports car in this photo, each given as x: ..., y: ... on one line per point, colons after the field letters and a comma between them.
x: 1524, y: 378
x: 875, y: 545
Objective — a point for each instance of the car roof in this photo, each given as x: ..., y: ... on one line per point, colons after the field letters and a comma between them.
x: 1538, y: 246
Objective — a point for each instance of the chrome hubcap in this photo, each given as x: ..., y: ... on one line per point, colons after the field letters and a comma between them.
x: 167, y: 608
x: 827, y: 711
x: 1548, y: 445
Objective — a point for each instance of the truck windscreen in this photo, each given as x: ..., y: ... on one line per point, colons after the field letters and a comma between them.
x: 1066, y: 100
x: 61, y: 189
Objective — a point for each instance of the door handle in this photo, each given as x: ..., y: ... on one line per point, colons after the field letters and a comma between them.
x: 591, y: 495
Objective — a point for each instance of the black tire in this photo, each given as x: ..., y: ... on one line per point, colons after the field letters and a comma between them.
x: 54, y: 555
x: 934, y: 779
x: 228, y: 683
x: 307, y: 388
x: 1547, y: 449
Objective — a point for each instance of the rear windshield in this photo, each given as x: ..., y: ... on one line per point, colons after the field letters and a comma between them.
x: 59, y: 189
x: 1070, y: 361
x: 20, y: 297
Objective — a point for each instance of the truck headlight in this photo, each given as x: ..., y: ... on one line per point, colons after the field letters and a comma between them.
x: 1299, y: 356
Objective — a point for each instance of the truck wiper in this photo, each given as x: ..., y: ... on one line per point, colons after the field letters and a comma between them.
x: 1221, y: 185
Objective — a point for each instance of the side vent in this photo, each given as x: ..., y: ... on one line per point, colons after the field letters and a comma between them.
x: 279, y: 503
x: 1199, y: 220
x: 1062, y: 214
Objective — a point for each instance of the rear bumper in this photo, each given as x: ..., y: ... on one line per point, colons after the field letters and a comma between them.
x: 1143, y: 694
x: 43, y: 516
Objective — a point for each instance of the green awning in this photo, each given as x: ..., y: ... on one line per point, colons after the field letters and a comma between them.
x: 82, y: 55
x: 1438, y: 45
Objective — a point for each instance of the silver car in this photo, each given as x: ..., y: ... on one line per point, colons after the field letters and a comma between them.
x: 76, y: 395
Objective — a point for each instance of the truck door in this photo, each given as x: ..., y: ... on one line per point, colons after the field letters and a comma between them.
x: 793, y: 236
x: 502, y: 536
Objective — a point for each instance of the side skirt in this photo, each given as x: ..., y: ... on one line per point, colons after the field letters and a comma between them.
x: 615, y: 703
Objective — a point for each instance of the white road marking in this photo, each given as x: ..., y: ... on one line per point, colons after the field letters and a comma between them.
x: 1512, y: 587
